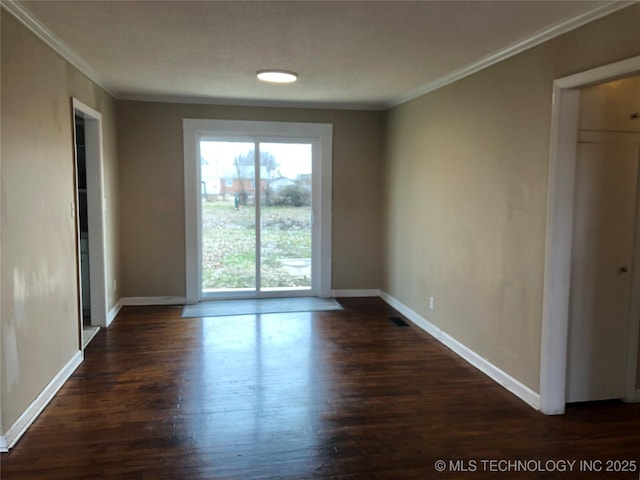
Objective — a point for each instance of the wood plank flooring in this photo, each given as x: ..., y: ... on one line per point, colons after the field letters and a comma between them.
x: 327, y: 395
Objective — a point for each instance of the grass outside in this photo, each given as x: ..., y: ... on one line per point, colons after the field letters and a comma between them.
x: 228, y: 245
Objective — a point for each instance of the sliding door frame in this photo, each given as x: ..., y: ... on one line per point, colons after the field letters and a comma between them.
x: 320, y: 135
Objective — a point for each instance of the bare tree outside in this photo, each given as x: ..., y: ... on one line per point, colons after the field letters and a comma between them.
x: 283, y: 186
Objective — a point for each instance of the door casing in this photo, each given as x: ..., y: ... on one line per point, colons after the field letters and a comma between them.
x: 562, y: 164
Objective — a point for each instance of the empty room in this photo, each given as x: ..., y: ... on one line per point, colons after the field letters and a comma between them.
x: 319, y: 239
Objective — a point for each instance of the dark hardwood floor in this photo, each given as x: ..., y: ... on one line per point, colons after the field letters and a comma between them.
x: 327, y: 395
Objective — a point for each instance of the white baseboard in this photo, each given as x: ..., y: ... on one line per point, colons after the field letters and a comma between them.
x: 511, y: 384
x: 113, y: 313
x: 25, y: 420
x: 356, y: 293
x: 150, y: 301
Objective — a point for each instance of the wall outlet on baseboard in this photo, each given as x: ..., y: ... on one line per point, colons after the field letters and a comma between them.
x: 431, y: 302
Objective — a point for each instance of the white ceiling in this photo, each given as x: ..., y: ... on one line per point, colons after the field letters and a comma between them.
x: 352, y: 54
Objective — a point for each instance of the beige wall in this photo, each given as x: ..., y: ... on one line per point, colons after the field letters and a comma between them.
x: 39, y: 311
x: 465, y: 205
x: 152, y: 192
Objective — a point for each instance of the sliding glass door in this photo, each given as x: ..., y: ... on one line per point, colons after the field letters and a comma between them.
x: 286, y: 229
x: 227, y: 216
x: 256, y: 217
x: 257, y: 209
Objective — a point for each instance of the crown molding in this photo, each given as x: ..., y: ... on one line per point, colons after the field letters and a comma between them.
x: 236, y: 102
x: 514, y: 49
x: 66, y: 52
x: 33, y: 24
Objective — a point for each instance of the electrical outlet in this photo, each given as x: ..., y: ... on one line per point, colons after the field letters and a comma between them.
x: 430, y: 303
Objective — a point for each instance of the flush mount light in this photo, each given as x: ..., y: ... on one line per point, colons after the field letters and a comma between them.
x: 277, y: 76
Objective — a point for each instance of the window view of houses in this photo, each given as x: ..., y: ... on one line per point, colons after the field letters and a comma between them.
x: 241, y: 191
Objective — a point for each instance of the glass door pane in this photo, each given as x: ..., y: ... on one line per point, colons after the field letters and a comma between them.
x: 285, y: 216
x: 228, y: 216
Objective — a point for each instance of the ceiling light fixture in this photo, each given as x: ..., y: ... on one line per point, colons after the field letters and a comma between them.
x: 277, y: 76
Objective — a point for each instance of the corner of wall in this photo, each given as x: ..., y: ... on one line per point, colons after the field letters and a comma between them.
x: 113, y: 313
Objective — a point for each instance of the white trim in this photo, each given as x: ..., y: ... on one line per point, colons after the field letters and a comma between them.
x: 514, y: 49
x: 25, y: 420
x: 33, y: 24
x: 212, y: 296
x: 321, y: 136
x: 371, y: 292
x: 138, y: 301
x: 66, y: 52
x: 3, y: 444
x: 605, y: 73
x: 564, y: 124
x: 485, y: 366
x: 113, y: 313
x: 62, y: 49
x: 240, y: 102
x: 558, y: 247
x: 95, y: 209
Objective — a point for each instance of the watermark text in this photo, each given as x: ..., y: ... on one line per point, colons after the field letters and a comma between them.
x: 495, y: 465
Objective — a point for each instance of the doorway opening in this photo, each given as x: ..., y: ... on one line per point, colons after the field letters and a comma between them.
x: 89, y: 213
x: 258, y: 209
x: 560, y: 240
x: 88, y: 330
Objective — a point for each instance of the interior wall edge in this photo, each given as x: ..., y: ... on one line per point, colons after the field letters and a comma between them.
x: 113, y: 312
